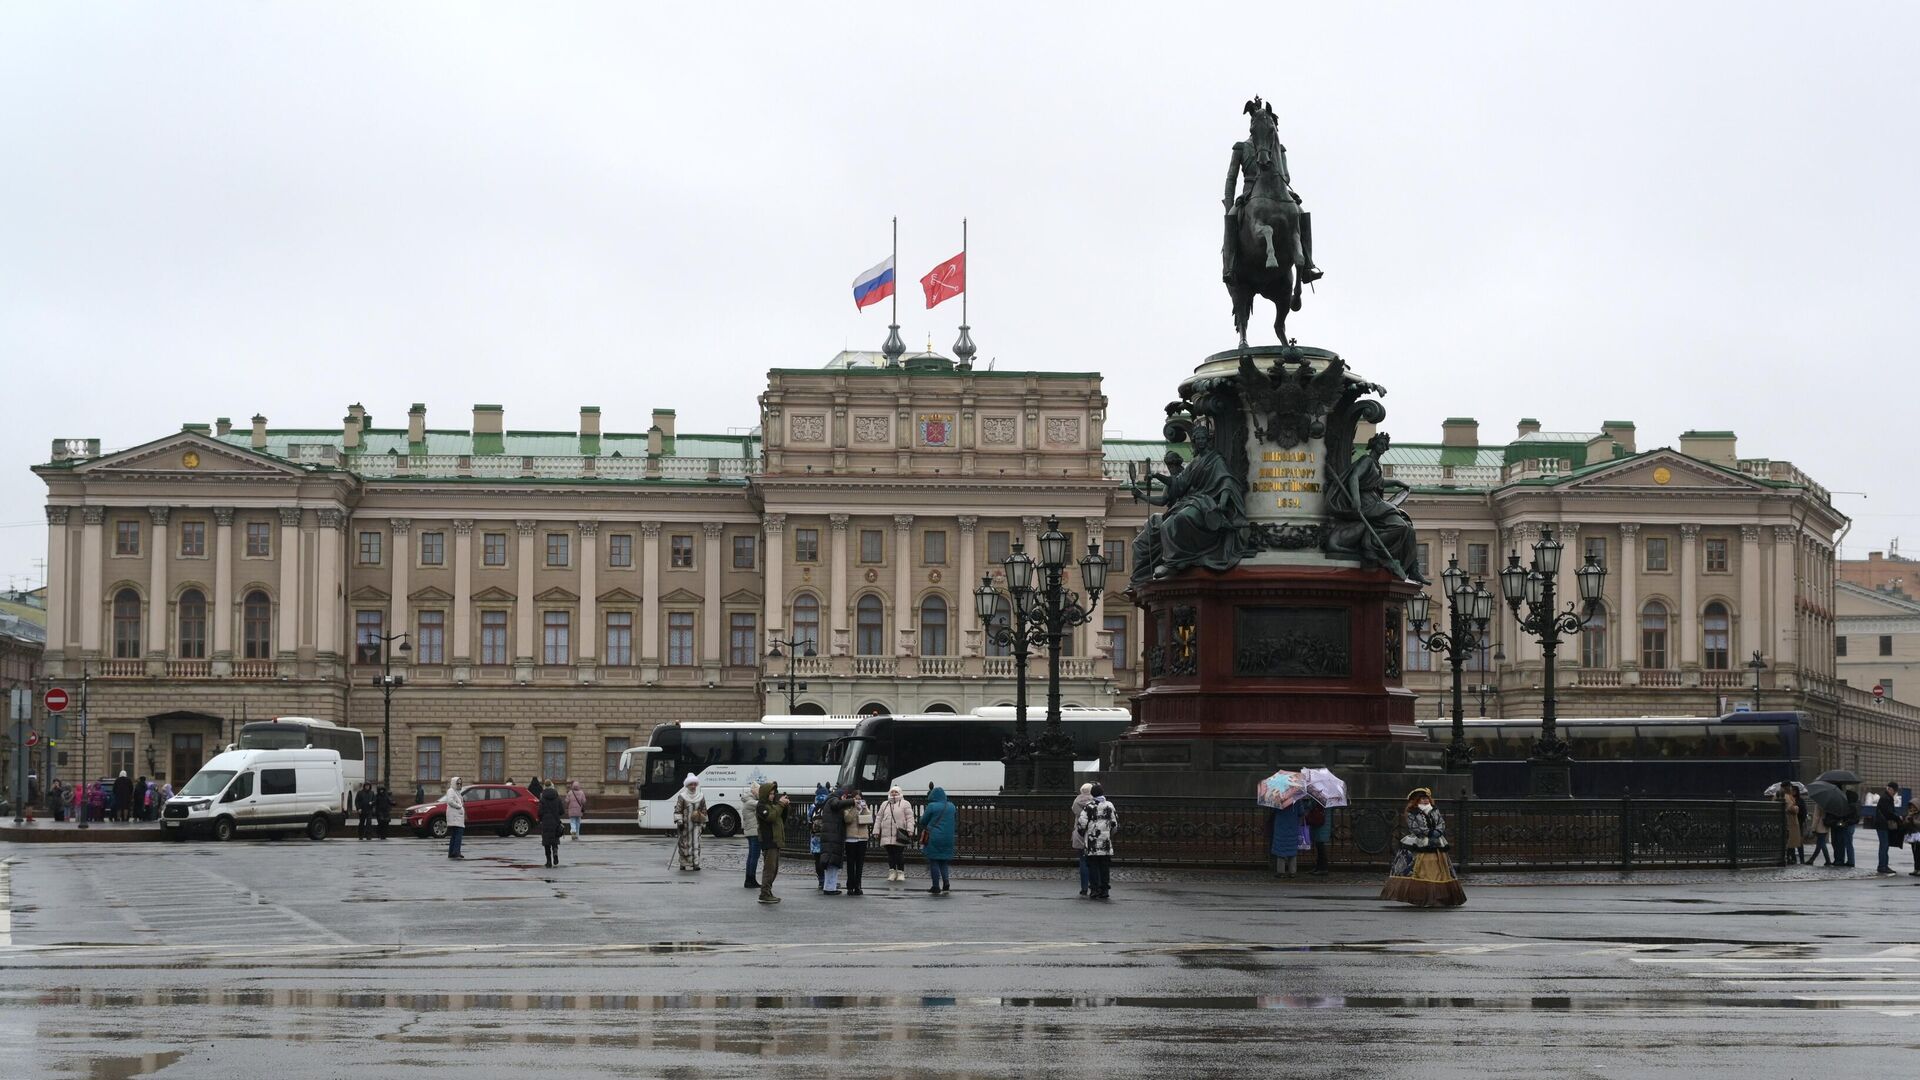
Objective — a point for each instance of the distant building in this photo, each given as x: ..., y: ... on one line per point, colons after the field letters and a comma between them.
x: 23, y: 643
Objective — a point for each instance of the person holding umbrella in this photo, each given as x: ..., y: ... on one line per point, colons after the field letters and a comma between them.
x: 1794, y: 806
x: 1283, y: 791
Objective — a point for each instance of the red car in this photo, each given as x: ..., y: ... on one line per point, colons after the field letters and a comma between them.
x: 510, y: 810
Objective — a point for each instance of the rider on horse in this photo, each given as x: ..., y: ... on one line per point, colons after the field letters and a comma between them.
x: 1246, y: 165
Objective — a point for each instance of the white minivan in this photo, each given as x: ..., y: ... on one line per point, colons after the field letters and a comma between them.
x: 263, y: 790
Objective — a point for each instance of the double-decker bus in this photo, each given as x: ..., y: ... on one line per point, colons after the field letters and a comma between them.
x: 304, y: 732
x: 961, y: 752
x: 1673, y: 756
x: 792, y: 751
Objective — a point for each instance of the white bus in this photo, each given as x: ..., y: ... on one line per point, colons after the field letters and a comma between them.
x: 307, y: 732
x: 795, y: 752
x: 961, y: 752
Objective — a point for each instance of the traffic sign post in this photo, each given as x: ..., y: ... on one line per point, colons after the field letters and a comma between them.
x: 56, y: 700
x: 1879, y: 693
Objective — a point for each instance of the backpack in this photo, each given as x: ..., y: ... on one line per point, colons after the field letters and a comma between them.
x: 817, y: 821
x: 1316, y: 816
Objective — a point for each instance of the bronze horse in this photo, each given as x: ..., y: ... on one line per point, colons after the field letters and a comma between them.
x: 1267, y: 249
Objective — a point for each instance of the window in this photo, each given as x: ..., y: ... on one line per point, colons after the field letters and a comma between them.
x: 259, y: 539
x: 556, y: 645
x: 493, y: 759
x: 370, y: 752
x: 426, y: 758
x: 493, y: 638
x: 126, y: 538
x: 870, y: 622
x: 1116, y: 553
x: 493, y: 549
x: 431, y: 644
x: 1122, y: 648
x: 1840, y: 645
x: 1593, y: 642
x: 620, y: 550
x: 369, y: 549
x: 873, y: 546
x: 1419, y: 658
x: 276, y: 781
x: 806, y: 622
x: 1716, y: 637
x: 743, y: 639
x: 619, y: 647
x: 1477, y: 560
x: 1597, y: 547
x: 744, y: 553
x: 615, y: 746
x: 1482, y: 658
x: 193, y: 539
x: 256, y: 626
x: 1420, y: 553
x: 126, y: 625
x: 433, y: 549
x: 1886, y: 685
x: 999, y: 546
x: 1716, y: 555
x: 1886, y: 644
x: 193, y: 625
x: 682, y: 552
x: 368, y: 627
x: 558, y: 549
x: 933, y: 626
x: 553, y: 757
x: 680, y: 638
x: 1653, y: 636
x: 120, y: 754
x: 933, y: 548
x: 1656, y: 554
x: 806, y: 545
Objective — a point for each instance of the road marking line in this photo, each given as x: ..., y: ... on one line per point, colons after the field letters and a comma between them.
x: 6, y: 902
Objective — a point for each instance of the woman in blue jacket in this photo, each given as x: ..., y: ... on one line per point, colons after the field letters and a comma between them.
x: 939, y: 824
x: 1286, y: 840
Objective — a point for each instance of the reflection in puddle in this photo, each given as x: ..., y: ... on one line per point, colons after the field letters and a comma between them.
x: 126, y: 1068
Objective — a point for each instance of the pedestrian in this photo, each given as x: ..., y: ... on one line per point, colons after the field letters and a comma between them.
x: 552, y: 823
x: 1319, y: 822
x: 1843, y: 831
x: 166, y: 792
x: 1910, y: 825
x: 57, y: 801
x: 833, y: 840
x: 1793, y: 808
x: 456, y: 818
x: 363, y: 806
x: 859, y: 828
x: 142, y: 799
x: 816, y: 821
x: 383, y: 808
x: 895, y: 824
x: 122, y: 796
x: 1886, y: 821
x: 97, y: 799
x: 576, y: 805
x: 533, y: 787
x: 1097, y: 823
x: 750, y: 813
x: 1079, y: 838
x: 419, y: 793
x: 1285, y: 844
x: 939, y: 828
x: 1819, y: 821
x: 1422, y: 875
x: 689, y: 814
x: 770, y: 812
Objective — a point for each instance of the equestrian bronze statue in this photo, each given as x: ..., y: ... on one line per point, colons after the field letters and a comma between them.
x: 1269, y: 239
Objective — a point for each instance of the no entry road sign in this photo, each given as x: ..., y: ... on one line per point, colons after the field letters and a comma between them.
x: 56, y: 700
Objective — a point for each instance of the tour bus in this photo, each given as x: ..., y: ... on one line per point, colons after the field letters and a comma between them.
x: 792, y: 751
x: 306, y: 732
x: 961, y: 752
x: 1670, y: 756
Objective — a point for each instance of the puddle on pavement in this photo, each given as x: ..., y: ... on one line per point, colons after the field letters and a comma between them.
x: 126, y: 1068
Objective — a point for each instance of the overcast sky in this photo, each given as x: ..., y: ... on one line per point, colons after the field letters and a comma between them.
x: 1681, y: 215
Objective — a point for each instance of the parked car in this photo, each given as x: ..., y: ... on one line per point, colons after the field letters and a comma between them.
x: 508, y: 808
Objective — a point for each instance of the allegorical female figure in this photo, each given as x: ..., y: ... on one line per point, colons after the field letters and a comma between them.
x: 1205, y: 506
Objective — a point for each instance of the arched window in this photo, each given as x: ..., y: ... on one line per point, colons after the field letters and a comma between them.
x: 193, y: 625
x: 933, y: 626
x: 1002, y: 612
x: 126, y: 625
x: 256, y: 627
x: 806, y: 621
x: 939, y: 707
x: 1653, y: 636
x: 808, y: 708
x: 1593, y: 641
x: 1716, y: 633
x: 874, y: 708
x: 870, y: 627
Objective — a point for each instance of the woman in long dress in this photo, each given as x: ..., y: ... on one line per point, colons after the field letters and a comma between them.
x: 1422, y: 874
x: 689, y: 814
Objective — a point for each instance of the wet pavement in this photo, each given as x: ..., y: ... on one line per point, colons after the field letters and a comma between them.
x: 293, y: 959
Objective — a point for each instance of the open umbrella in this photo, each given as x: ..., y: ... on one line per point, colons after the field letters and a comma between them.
x: 1840, y: 776
x: 1280, y: 790
x: 1831, y: 800
x: 1325, y: 788
x: 1773, y: 792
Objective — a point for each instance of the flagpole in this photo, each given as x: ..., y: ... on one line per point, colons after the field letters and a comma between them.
x: 964, y: 348
x: 894, y: 348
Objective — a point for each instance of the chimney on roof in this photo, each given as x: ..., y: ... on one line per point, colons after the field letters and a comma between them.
x: 223, y: 426
x: 1716, y: 447
x: 359, y: 412
x: 1528, y: 426
x: 1621, y: 431
x: 350, y: 427
x: 589, y: 420
x: 1460, y: 431
x: 417, y: 424
x: 1600, y: 448
x: 489, y: 420
x: 259, y: 441
x: 663, y: 419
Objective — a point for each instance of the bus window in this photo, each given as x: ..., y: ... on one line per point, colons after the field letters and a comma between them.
x: 762, y: 747
x: 700, y: 749
x: 1516, y: 742
x: 813, y: 747
x: 663, y: 769
x: 1601, y: 742
x: 1088, y: 735
x: 1674, y: 742
x: 1485, y: 742
x: 1758, y: 740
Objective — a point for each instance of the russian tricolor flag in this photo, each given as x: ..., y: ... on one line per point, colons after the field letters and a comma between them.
x: 873, y: 286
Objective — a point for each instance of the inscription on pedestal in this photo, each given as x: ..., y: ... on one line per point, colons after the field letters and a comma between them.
x: 1285, y: 642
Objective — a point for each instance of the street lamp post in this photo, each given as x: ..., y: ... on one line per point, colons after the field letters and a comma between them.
x: 388, y: 682
x: 1483, y: 690
x: 801, y: 647
x: 1758, y: 664
x: 1006, y: 620
x: 1469, y: 606
x: 86, y: 804
x: 1549, y: 769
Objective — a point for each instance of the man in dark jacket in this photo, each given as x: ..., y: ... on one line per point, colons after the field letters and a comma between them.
x: 770, y: 813
x: 833, y: 840
x: 363, y: 805
x: 122, y: 797
x: 383, y: 808
x: 1886, y: 818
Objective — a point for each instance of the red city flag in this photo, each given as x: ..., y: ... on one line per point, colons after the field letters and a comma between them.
x: 946, y: 281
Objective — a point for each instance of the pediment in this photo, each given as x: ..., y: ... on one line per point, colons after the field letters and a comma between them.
x: 430, y: 594
x: 741, y: 596
x: 1662, y: 471
x: 168, y: 456
x: 681, y: 596
x: 366, y: 594
x: 618, y: 596
x: 493, y: 594
x: 556, y: 595
x: 1857, y: 601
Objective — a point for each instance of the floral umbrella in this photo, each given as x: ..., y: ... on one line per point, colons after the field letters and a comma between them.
x: 1281, y: 790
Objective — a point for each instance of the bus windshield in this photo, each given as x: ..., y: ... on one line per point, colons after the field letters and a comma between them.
x: 273, y: 737
x: 208, y: 782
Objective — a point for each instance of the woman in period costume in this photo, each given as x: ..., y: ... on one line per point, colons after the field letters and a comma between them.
x: 689, y: 815
x: 1422, y: 874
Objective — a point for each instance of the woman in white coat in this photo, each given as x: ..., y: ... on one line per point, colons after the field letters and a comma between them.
x: 456, y: 818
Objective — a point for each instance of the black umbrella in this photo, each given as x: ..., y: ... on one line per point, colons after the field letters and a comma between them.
x: 1840, y: 776
x: 1831, y: 800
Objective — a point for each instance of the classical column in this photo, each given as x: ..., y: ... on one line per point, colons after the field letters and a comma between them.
x: 903, y: 612
x: 710, y: 639
x: 1030, y: 536
x: 326, y: 587
x: 650, y: 592
x: 1090, y: 632
x: 92, y: 603
x: 1628, y: 623
x: 588, y: 636
x: 287, y: 632
x: 158, y: 555
x: 969, y: 580
x: 57, y: 598
x: 1785, y: 625
x: 838, y: 609
x: 775, y: 575
x: 223, y: 583
x: 1525, y: 646
x: 1689, y: 601
x: 463, y: 591
x: 525, y: 648
x: 400, y: 614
